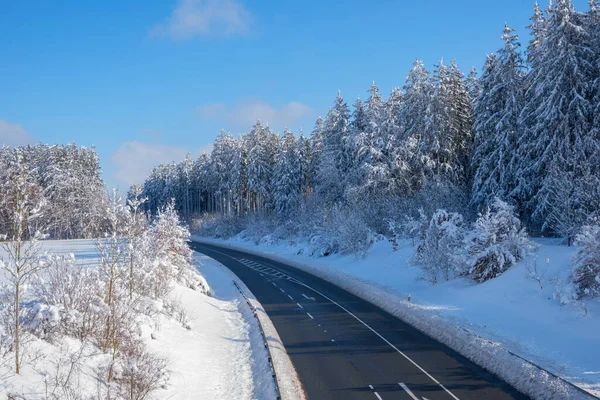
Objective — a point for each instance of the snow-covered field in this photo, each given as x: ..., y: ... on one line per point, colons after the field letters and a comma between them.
x: 511, y: 311
x: 220, y: 356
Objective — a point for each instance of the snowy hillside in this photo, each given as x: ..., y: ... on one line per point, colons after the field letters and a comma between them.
x: 203, y: 342
x: 514, y: 310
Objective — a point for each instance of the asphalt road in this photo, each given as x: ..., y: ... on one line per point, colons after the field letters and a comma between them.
x: 346, y: 348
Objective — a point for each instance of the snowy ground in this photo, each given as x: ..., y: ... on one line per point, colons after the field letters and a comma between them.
x: 220, y: 357
x: 511, y: 311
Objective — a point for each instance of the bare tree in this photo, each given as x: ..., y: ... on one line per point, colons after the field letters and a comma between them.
x: 24, y: 205
x: 136, y: 227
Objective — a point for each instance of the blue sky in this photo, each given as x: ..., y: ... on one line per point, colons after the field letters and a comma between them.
x: 147, y: 81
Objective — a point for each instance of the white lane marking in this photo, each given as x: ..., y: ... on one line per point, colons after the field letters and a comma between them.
x: 308, y: 298
x: 365, y: 324
x: 299, y: 305
x: 274, y: 284
x: 311, y: 317
x: 377, y: 395
x: 291, y: 298
x: 447, y: 391
x: 282, y: 291
x: 371, y: 387
x: 407, y: 390
x: 333, y: 340
x: 384, y: 339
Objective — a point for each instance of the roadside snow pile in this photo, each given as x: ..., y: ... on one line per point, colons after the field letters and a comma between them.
x: 517, y: 311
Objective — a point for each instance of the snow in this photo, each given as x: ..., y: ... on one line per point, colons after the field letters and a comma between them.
x: 509, y: 312
x: 221, y: 356
x: 288, y: 382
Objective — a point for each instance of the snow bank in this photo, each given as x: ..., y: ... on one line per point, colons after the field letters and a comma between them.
x: 374, y: 279
x: 288, y: 382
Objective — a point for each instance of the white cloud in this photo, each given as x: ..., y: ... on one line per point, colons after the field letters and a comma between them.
x: 134, y: 160
x: 13, y: 134
x: 245, y: 114
x: 192, y: 18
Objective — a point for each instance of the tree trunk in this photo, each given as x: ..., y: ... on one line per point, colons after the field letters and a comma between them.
x: 17, y: 325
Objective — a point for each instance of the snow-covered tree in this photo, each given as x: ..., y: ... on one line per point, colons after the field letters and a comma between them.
x: 557, y: 115
x: 586, y: 275
x: 24, y: 203
x: 496, y: 242
x: 287, y: 177
x: 336, y: 157
x: 497, y: 130
x: 440, y: 240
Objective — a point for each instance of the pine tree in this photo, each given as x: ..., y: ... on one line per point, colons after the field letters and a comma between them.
x: 558, y: 115
x: 287, y: 177
x: 303, y: 148
x: 538, y: 32
x: 337, y: 152
x: 316, y: 150
x: 497, y: 128
x: 486, y: 156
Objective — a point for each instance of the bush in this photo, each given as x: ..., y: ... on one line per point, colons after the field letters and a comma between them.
x: 343, y: 231
x: 439, y: 246
x: 586, y: 276
x: 76, y: 292
x: 497, y: 242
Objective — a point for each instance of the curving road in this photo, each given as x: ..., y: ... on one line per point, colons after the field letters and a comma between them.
x: 346, y: 348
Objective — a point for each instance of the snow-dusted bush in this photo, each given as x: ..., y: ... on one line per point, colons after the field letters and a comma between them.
x: 164, y: 253
x: 76, y: 293
x: 139, y: 372
x: 343, y: 231
x: 257, y: 226
x: 586, y: 275
x: 496, y: 243
x: 438, y: 251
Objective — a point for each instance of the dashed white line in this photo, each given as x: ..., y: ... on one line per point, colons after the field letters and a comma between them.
x: 274, y: 284
x: 311, y: 317
x: 384, y: 339
x: 377, y: 395
x: 291, y: 298
x: 282, y: 291
x: 371, y: 387
x: 299, y: 305
x: 407, y: 390
x: 367, y: 326
x: 308, y: 298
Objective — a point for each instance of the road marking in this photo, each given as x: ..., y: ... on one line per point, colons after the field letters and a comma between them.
x: 377, y: 395
x: 308, y: 298
x: 382, y: 338
x: 299, y: 305
x: 291, y: 298
x: 333, y: 340
x: 311, y: 317
x: 407, y: 390
x: 274, y: 284
x: 282, y: 291
x: 362, y: 322
x: 371, y: 387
